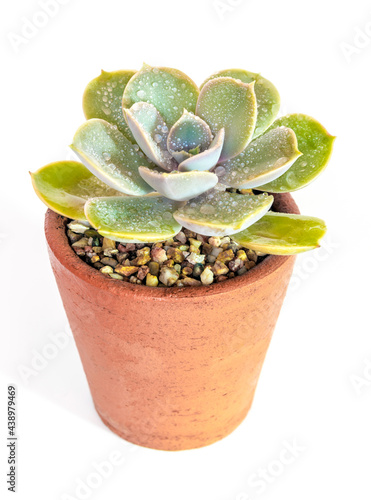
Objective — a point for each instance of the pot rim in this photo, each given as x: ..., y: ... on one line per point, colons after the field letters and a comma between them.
x: 55, y: 231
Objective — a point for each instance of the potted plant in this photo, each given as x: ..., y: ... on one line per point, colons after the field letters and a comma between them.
x: 173, y: 241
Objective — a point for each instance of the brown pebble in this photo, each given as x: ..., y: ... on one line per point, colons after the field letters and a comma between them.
x: 218, y: 279
x: 207, y: 248
x: 121, y: 257
x: 220, y: 268
x: 73, y: 237
x: 158, y: 254
x: 154, y: 268
x: 181, y: 237
x: 249, y: 264
x: 190, y: 282
x: 142, y: 272
x: 79, y: 251
x: 251, y: 255
x: 235, y: 264
x: 107, y: 261
x: 187, y: 270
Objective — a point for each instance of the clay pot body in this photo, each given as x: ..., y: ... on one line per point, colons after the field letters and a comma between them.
x: 170, y: 368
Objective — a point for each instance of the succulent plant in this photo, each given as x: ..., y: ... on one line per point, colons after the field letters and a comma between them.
x: 158, y: 153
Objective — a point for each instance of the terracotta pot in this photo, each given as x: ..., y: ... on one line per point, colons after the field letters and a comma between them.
x: 170, y: 368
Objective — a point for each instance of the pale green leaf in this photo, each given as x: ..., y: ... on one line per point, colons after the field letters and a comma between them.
x: 103, y: 99
x: 315, y: 144
x: 65, y: 186
x: 151, y: 133
x: 282, y: 234
x: 168, y: 89
x: 140, y: 219
x: 263, y: 160
x: 111, y: 157
x: 267, y: 96
x: 219, y: 213
x: 229, y: 104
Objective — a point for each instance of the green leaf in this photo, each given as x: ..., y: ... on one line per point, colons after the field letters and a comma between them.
x: 229, y: 104
x: 151, y: 133
x: 169, y: 90
x: 103, y: 99
x: 65, y: 186
x: 282, y: 234
x: 316, y: 145
x: 111, y: 157
x: 195, y: 151
x: 181, y: 186
x: 207, y: 159
x: 141, y: 219
x: 188, y: 133
x: 263, y: 160
x: 267, y: 96
x: 221, y: 213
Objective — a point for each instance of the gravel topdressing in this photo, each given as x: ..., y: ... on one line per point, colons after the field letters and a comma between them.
x: 189, y: 259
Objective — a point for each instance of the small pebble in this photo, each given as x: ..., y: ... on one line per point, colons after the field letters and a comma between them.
x: 126, y: 270
x: 107, y: 261
x: 181, y: 237
x: 158, y: 255
x: 214, y: 241
x: 226, y: 256
x: 107, y: 243
x: 151, y: 280
x: 207, y: 276
x: 73, y: 237
x: 220, y: 268
x: 197, y: 270
x: 168, y: 276
x: 116, y: 276
x: 106, y: 270
x: 154, y: 268
x: 194, y: 258
x: 190, y: 282
x: 81, y: 243
x: 77, y: 227
x: 142, y: 272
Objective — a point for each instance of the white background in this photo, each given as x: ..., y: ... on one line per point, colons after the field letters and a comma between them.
x: 315, y: 387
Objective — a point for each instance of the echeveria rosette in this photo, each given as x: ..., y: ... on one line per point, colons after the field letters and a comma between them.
x: 165, y: 154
